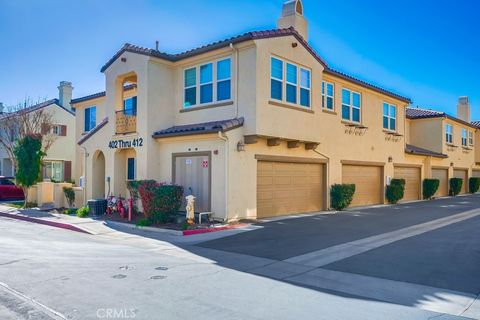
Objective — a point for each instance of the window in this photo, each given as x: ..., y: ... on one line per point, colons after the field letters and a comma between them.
x: 130, y: 106
x: 131, y: 169
x: 449, y: 133
x: 224, y: 83
x: 389, y: 117
x: 57, y: 130
x: 90, y: 118
x: 470, y: 138
x: 328, y: 95
x: 53, y: 170
x: 305, y: 87
x: 291, y: 90
x: 190, y: 84
x: 206, y: 83
x: 464, y: 137
x: 296, y: 81
x: 276, y: 82
x: 350, y: 105
x: 212, y: 85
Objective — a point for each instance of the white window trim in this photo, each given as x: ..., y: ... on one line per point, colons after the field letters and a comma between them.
x: 214, y: 83
x: 297, y: 85
x: 470, y: 138
x: 325, y: 95
x: 464, y: 138
x: 351, y: 107
x: 309, y: 89
x: 448, y: 134
x: 84, y: 116
x: 390, y: 117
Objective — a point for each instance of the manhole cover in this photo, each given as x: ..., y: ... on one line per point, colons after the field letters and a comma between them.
x: 161, y: 268
x: 119, y: 276
x: 157, y: 277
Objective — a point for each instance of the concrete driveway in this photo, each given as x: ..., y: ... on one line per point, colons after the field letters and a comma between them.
x: 422, y: 254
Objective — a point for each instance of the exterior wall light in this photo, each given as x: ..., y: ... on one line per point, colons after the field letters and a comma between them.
x: 390, y: 159
x: 240, y: 146
x: 451, y: 164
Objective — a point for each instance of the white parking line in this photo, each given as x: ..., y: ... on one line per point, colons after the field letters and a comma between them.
x: 329, y: 255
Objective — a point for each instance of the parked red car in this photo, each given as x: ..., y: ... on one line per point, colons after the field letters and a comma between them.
x: 9, y: 191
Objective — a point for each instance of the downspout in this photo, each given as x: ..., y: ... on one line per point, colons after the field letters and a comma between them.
x: 85, y: 175
x: 327, y: 173
x: 224, y: 137
x: 236, y: 78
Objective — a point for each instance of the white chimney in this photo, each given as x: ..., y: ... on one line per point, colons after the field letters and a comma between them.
x: 463, y: 109
x: 292, y: 16
x: 65, y: 94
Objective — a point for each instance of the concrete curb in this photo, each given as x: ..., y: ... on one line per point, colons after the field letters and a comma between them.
x: 60, y: 225
x: 149, y: 229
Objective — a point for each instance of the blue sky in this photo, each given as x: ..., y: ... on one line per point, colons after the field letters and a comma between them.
x: 426, y: 50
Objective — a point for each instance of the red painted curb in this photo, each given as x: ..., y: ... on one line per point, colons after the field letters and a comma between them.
x: 208, y: 230
x: 44, y: 222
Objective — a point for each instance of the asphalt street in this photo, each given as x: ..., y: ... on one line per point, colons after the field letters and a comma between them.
x: 49, y: 273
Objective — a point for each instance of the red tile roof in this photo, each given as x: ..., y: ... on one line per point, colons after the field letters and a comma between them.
x: 423, y: 152
x: 254, y: 35
x: 419, y: 113
x: 200, y: 128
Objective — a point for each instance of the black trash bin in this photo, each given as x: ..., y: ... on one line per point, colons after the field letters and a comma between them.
x: 97, y: 207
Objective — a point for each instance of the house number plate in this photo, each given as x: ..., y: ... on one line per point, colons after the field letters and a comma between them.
x: 122, y: 144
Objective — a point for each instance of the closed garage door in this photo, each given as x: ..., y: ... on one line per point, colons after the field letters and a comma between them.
x: 289, y: 188
x: 476, y: 173
x: 442, y: 176
x: 412, y: 181
x: 462, y: 174
x: 368, y: 181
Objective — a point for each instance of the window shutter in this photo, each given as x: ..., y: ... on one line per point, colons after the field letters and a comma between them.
x: 67, y: 170
x: 44, y: 129
x: 63, y: 130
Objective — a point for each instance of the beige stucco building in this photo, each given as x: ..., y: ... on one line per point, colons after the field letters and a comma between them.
x: 254, y: 126
x: 59, y: 161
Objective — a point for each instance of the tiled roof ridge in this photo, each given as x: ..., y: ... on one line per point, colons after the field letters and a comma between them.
x: 424, y: 109
x: 97, y: 95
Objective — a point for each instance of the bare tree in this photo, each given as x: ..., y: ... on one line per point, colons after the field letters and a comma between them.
x: 26, y: 119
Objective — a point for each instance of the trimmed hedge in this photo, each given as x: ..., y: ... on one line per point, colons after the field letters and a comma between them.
x: 395, y: 191
x: 430, y: 187
x: 341, y: 195
x: 160, y: 201
x: 455, y: 186
x: 473, y: 184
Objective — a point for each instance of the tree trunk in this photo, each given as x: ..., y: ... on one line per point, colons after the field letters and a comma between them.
x: 25, y: 194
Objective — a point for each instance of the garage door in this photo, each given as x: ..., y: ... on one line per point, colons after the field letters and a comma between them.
x: 289, y: 188
x: 476, y: 173
x: 368, y: 182
x: 442, y: 176
x: 462, y: 174
x: 412, y: 181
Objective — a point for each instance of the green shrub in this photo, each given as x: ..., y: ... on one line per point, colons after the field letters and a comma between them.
x: 71, y: 211
x: 144, y: 223
x: 455, y: 186
x: 341, y: 195
x: 83, y: 212
x: 430, y: 187
x: 473, y: 184
x: 160, y: 202
x: 395, y: 191
x: 70, y: 195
